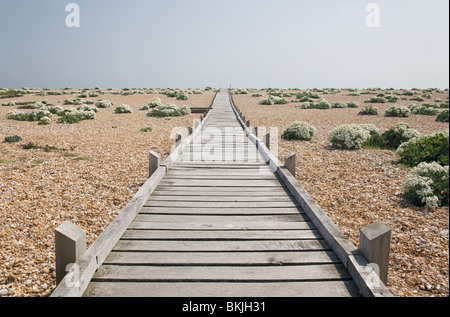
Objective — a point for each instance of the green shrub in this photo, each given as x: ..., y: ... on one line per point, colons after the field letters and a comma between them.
x: 424, y: 109
x: 339, y: 104
x: 13, y: 139
x: 146, y: 130
x: 299, y: 131
x: 352, y: 104
x: 273, y: 100
x: 399, y: 134
x: 369, y: 111
x: 376, y: 100
x: 256, y: 95
x: 123, y: 109
x: 320, y: 104
x: 155, y: 102
x: 443, y: 116
x: 88, y: 108
x: 45, y: 121
x: 241, y: 92
x: 397, y: 111
x: 182, y: 96
x: 69, y: 118
x: 419, y: 99
x: 427, y: 185
x: 349, y: 136
x: 103, y: 104
x: 169, y: 110
x: 392, y: 98
x: 428, y: 148
x: 31, y: 117
x: 9, y: 104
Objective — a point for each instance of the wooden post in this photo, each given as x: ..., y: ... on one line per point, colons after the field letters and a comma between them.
x: 190, y: 129
x: 247, y: 123
x: 70, y: 244
x: 178, y: 138
x: 289, y: 162
x: 201, y: 118
x: 154, y: 163
x: 374, y: 243
x: 255, y: 131
x: 266, y: 140
x: 196, y: 123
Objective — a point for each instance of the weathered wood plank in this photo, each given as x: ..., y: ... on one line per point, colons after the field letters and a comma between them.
x: 222, y: 246
x: 220, y: 211
x: 215, y: 258
x: 160, y: 225
x: 167, y: 235
x: 220, y: 198
x: 223, y: 183
x: 216, y: 194
x: 240, y: 290
x: 220, y: 204
x: 277, y: 220
x: 222, y: 273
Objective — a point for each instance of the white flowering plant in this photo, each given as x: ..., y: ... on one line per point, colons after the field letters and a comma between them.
x: 397, y: 111
x: 427, y: 185
x: 103, y: 104
x: 169, y: 110
x: 299, y: 131
x: 123, y: 109
x: 349, y: 136
x: 399, y: 134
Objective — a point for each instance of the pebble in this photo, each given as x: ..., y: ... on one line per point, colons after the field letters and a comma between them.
x: 3, y: 292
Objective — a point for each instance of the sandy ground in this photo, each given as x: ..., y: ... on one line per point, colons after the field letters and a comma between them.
x: 356, y: 188
x: 90, y: 173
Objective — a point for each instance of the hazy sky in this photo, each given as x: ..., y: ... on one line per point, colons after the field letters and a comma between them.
x: 243, y: 43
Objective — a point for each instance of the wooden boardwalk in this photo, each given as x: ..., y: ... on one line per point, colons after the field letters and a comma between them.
x: 221, y: 223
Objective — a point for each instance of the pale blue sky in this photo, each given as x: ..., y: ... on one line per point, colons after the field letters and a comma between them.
x: 243, y: 43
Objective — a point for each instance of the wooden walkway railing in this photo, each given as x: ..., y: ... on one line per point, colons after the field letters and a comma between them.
x: 221, y: 217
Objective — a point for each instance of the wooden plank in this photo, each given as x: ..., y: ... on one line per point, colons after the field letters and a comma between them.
x: 160, y: 225
x: 255, y: 176
x: 217, y: 194
x: 220, y: 204
x: 222, y: 190
x: 220, y: 235
x: 277, y: 220
x: 222, y: 246
x: 224, y: 183
x: 215, y: 258
x: 220, y: 211
x: 222, y: 273
x: 211, y: 198
x: 236, y: 290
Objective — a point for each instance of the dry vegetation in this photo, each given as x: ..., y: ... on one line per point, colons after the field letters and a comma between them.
x: 84, y: 173
x: 356, y: 188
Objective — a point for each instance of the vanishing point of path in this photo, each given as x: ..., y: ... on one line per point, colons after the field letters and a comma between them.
x: 221, y: 225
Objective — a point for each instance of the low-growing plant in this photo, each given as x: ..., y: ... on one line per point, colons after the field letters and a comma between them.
x: 339, y: 104
x: 45, y: 121
x: 376, y: 100
x: 369, y: 111
x: 427, y: 185
x: 423, y: 109
x: 155, y: 102
x: 146, y: 130
x: 9, y: 104
x: 399, y: 134
x: 123, y: 109
x: 103, y: 104
x: 69, y: 118
x: 169, y: 110
x: 299, y: 131
x: 427, y: 148
x: 13, y: 139
x: 273, y: 100
x: 182, y: 96
x: 392, y: 98
x: 320, y: 104
x: 443, y: 116
x: 349, y: 136
x: 397, y: 111
x: 352, y: 104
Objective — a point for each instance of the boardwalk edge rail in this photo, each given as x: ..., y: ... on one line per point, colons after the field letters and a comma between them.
x: 368, y: 282
x: 93, y: 258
